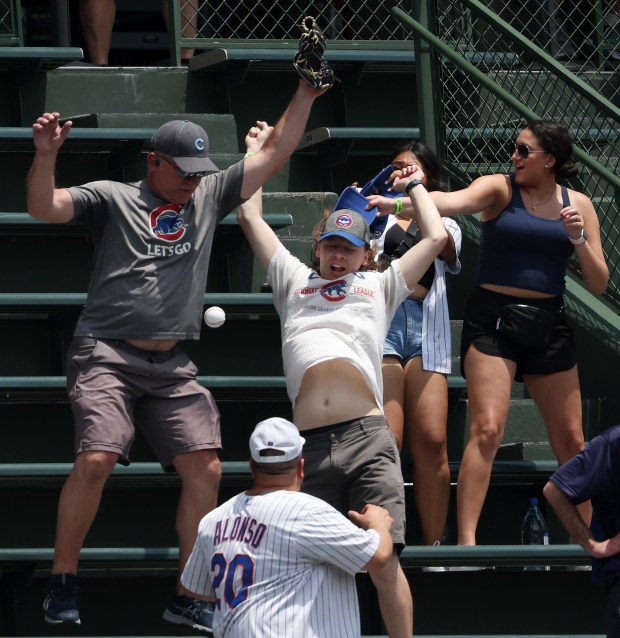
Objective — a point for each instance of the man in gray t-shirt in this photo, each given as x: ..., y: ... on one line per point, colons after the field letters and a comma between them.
x: 152, y: 246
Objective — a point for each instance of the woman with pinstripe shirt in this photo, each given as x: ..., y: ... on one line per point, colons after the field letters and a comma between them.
x: 417, y: 351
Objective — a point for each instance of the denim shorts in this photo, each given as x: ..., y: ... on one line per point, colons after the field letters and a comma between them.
x: 114, y: 387
x: 404, y: 338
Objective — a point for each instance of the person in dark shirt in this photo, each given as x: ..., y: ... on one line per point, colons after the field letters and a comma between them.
x: 594, y: 475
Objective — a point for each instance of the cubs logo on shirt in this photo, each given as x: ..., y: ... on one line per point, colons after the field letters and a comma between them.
x: 335, y: 290
x: 167, y: 222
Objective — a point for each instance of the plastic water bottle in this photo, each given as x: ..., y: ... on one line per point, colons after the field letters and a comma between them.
x: 534, y: 528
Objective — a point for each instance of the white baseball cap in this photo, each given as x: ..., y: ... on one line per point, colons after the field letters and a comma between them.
x: 275, y: 434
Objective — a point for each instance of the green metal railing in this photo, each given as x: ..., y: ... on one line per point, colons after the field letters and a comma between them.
x: 10, y: 24
x: 484, y: 104
x: 203, y: 23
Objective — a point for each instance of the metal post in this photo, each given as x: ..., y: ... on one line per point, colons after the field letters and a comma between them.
x: 427, y: 81
x: 174, y: 26
x: 61, y: 33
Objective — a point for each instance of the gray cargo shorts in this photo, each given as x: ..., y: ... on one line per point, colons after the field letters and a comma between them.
x: 115, y: 387
x: 355, y: 463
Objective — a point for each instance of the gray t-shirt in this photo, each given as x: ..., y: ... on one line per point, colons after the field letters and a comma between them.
x: 151, y: 258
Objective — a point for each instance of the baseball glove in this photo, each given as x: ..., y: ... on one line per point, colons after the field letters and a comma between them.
x: 308, y: 60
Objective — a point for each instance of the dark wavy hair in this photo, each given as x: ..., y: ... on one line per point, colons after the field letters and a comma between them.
x: 431, y: 166
x: 554, y: 137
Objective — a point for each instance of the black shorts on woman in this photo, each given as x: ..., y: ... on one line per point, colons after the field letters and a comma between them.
x: 482, y: 311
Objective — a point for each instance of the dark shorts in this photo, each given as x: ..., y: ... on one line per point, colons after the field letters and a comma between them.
x: 114, y: 387
x: 355, y: 463
x: 479, y: 328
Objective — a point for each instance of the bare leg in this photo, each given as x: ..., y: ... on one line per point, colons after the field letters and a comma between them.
x: 488, y: 387
x: 394, y: 397
x: 97, y: 18
x: 558, y: 397
x: 395, y: 600
x: 200, y: 473
x: 78, y: 505
x: 426, y: 409
x: 189, y: 22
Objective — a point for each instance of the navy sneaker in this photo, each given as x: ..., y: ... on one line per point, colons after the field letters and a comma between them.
x: 197, y: 614
x: 60, y: 603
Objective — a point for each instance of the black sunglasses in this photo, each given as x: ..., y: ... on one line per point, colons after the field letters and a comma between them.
x: 523, y: 150
x: 181, y: 172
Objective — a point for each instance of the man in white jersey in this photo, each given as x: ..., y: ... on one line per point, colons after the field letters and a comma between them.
x: 279, y: 562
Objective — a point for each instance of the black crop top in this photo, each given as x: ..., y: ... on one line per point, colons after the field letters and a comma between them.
x: 392, y: 241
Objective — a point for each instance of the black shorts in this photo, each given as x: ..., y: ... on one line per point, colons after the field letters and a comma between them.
x: 479, y: 328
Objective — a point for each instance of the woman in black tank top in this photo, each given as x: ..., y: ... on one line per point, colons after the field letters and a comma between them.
x: 525, y: 215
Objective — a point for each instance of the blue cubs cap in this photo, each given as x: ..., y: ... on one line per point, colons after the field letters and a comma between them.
x: 187, y: 143
x: 348, y: 224
x: 352, y: 199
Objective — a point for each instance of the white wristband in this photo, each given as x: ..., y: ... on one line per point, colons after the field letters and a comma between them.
x: 580, y: 240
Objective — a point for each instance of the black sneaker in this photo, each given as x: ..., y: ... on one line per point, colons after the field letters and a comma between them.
x: 60, y: 602
x: 197, y: 614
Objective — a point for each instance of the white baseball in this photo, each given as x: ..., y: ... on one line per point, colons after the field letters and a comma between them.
x: 214, y: 317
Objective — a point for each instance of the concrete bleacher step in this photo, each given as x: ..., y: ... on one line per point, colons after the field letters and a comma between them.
x: 37, y: 481
x: 27, y: 245
x: 512, y: 597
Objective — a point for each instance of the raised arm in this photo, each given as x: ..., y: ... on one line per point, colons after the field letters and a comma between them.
x: 434, y: 235
x: 486, y: 194
x: 263, y: 241
x: 282, y: 142
x: 45, y: 201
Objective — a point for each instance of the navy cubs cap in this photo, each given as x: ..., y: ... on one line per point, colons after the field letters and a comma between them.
x: 275, y: 434
x: 187, y: 143
x: 348, y: 224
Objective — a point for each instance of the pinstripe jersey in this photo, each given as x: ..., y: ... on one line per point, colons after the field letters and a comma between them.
x: 281, y: 564
x: 436, y: 339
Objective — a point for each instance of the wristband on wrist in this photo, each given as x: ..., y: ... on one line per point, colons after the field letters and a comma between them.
x: 580, y: 240
x: 249, y: 154
x: 412, y: 184
x: 399, y: 205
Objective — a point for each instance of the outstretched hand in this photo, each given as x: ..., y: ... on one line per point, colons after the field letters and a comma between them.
x: 386, y: 205
x: 257, y: 135
x: 47, y: 133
